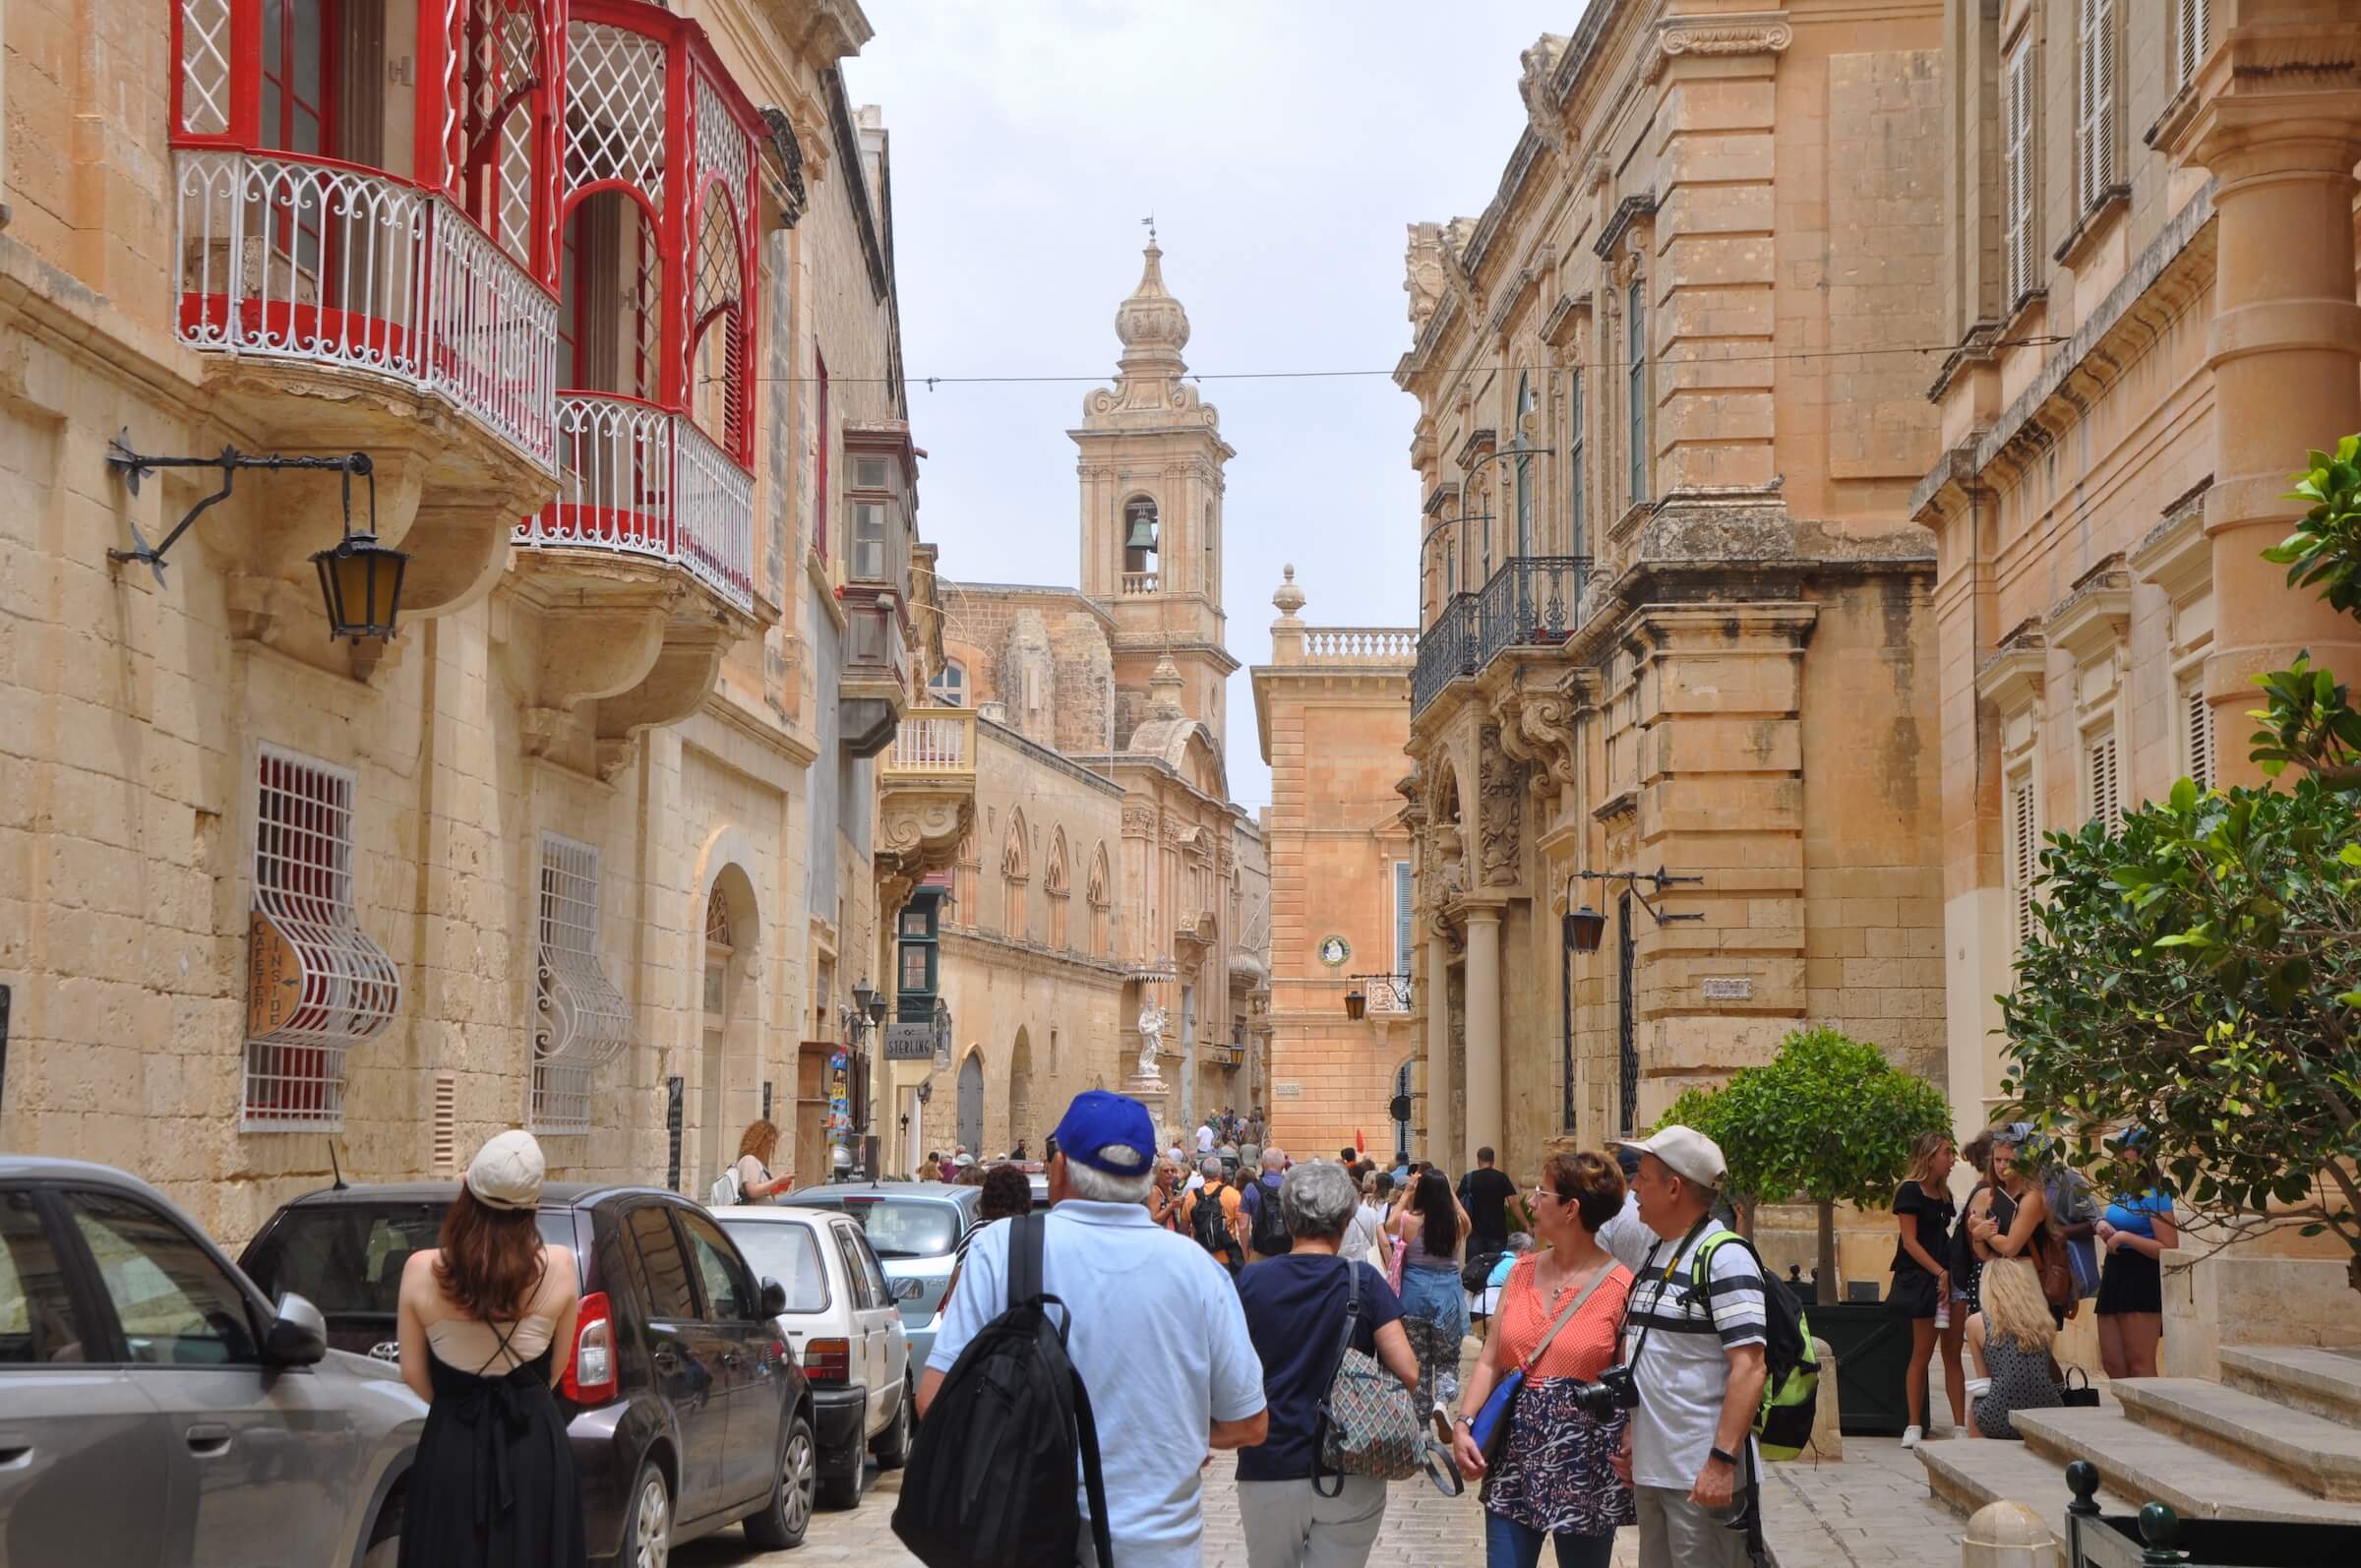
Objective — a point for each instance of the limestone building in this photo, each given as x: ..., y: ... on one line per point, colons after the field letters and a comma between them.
x: 1105, y: 777
x: 1675, y: 613
x: 1333, y: 711
x: 2148, y: 232
x: 586, y: 844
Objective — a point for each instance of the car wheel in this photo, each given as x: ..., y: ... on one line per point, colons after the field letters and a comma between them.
x: 893, y: 1444
x: 648, y: 1523
x: 782, y: 1522
x: 843, y: 1491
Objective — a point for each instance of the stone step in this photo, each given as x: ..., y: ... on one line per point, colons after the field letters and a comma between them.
x: 1965, y: 1475
x: 2325, y: 1382
x: 2145, y: 1464
x: 2321, y: 1456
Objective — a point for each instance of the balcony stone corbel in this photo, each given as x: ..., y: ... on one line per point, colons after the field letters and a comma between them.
x: 676, y: 682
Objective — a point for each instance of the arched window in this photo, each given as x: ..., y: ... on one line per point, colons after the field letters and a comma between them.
x: 949, y: 684
x: 1055, y: 884
x: 610, y: 286
x: 1523, y: 445
x: 1140, y: 545
x: 1099, y: 898
x: 1015, y: 871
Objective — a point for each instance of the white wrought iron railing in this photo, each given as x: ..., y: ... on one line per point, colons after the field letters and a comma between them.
x: 1361, y: 644
x: 318, y: 260
x: 642, y: 480
x: 934, y: 741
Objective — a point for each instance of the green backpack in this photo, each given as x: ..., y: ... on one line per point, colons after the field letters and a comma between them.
x: 1782, y: 1428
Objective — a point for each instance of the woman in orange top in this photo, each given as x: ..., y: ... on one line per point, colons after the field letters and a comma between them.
x: 1554, y: 1480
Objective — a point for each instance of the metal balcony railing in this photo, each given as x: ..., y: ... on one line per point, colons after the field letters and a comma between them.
x: 642, y: 480
x: 1532, y: 601
x: 358, y: 270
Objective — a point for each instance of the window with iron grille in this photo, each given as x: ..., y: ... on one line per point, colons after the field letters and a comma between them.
x: 2018, y: 165
x: 580, y: 1020
x: 317, y: 984
x: 2191, y: 26
x: 1405, y: 922
x: 1638, y: 393
x: 2094, y: 130
x: 2023, y: 851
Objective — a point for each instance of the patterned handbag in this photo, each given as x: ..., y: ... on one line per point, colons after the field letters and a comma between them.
x: 1368, y: 1424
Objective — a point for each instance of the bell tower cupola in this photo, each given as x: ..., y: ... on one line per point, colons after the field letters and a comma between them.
x: 1151, y: 468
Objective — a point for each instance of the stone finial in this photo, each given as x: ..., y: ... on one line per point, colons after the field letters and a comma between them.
x: 2008, y: 1535
x: 1289, y: 598
x: 1165, y: 686
x: 1152, y: 324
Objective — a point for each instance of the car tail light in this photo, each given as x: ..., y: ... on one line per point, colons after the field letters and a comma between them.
x: 829, y: 1361
x: 591, y: 1377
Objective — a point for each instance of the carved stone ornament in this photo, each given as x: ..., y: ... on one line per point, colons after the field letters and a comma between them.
x: 1538, y: 65
x: 1423, y: 272
x: 1536, y: 727
x: 1138, y: 823
x: 1501, y: 813
x: 1763, y: 34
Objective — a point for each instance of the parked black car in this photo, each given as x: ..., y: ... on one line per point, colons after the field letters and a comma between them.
x: 687, y: 1411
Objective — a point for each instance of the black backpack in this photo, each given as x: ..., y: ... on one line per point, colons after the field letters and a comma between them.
x: 990, y: 1480
x: 1270, y: 1236
x: 1211, y: 1225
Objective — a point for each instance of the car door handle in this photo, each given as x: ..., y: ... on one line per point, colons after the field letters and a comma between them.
x: 667, y: 1359
x: 15, y: 1455
x: 733, y: 1358
x: 209, y: 1442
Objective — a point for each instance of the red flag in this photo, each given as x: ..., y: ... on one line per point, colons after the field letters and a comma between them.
x: 1361, y: 1145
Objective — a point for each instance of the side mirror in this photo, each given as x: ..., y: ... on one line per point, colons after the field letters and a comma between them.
x: 298, y: 1334
x: 909, y: 1289
x: 774, y: 1298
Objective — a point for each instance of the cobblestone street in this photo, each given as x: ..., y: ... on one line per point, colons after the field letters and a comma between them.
x: 1870, y: 1512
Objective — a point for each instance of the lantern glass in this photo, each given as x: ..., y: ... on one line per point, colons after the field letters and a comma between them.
x: 877, y: 1007
x: 1584, y: 928
x: 863, y: 995
x: 1357, y: 1005
x: 360, y: 581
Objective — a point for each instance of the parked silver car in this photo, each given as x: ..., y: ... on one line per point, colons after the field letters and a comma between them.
x: 155, y: 1407
x: 914, y: 1228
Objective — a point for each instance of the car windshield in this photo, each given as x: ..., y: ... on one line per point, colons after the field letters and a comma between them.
x: 784, y: 1250
x: 347, y: 1259
x: 900, y: 1227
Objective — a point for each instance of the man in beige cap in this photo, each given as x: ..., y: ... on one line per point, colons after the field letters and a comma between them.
x: 1696, y: 1358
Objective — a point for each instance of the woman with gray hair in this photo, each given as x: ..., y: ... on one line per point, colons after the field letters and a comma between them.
x: 1294, y: 1307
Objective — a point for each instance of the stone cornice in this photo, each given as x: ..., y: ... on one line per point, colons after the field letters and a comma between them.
x: 1628, y: 211
x: 1445, y: 491
x: 1031, y: 957
x: 2176, y: 555
x: 2012, y: 677
x: 1737, y: 33
x: 1034, y: 751
x: 2095, y: 616
x: 1482, y: 442
x: 1557, y: 327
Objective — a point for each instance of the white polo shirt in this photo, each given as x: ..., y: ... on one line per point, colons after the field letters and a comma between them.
x: 1161, y: 1346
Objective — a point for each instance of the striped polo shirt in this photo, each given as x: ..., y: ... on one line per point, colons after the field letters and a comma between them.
x: 1683, y: 1368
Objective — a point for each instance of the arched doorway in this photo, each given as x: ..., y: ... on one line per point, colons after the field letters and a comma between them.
x: 1020, y: 1095
x: 1401, y: 1102
x: 971, y: 1102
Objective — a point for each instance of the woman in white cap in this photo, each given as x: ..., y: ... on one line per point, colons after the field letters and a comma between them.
x: 480, y: 1319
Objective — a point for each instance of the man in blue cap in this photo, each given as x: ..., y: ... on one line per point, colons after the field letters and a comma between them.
x: 1158, y: 1335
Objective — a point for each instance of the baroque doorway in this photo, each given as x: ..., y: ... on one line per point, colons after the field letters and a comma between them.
x: 971, y: 1102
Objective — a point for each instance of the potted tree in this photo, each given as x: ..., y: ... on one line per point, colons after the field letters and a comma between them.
x: 1830, y: 1120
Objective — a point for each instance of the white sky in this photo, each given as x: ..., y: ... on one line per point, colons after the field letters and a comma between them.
x: 1283, y: 146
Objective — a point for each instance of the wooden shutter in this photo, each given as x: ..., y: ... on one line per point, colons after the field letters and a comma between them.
x: 2094, y: 93
x: 2024, y: 854
x: 2106, y: 792
x: 2192, y: 25
x: 2197, y: 721
x: 2017, y: 174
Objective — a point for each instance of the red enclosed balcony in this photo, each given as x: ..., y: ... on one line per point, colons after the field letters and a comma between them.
x: 655, y: 325
x: 369, y: 192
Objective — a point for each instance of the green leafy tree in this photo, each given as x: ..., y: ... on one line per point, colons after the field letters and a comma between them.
x: 1829, y: 1120
x: 2197, y: 968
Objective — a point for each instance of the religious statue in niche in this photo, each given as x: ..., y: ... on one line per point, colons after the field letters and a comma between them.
x: 1500, y: 812
x: 1451, y: 871
x: 1151, y: 1039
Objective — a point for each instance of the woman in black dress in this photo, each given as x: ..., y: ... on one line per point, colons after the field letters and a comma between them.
x: 1923, y: 1211
x: 482, y: 1322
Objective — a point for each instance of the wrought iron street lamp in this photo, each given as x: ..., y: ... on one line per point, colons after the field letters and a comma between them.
x: 1584, y: 927
x: 360, y: 579
x: 1356, y: 1002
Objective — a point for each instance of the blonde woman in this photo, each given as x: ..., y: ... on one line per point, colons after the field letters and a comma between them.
x: 2012, y: 1338
x: 755, y: 1183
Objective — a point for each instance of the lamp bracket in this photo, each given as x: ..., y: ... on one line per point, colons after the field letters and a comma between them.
x: 135, y: 467
x: 1398, y: 985
x: 1659, y: 880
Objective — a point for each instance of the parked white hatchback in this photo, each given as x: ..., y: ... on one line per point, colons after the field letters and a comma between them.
x: 844, y: 1323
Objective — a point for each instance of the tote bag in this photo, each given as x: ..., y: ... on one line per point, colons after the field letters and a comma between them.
x: 1368, y: 1422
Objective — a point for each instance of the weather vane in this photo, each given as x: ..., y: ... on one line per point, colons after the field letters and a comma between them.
x: 1150, y: 221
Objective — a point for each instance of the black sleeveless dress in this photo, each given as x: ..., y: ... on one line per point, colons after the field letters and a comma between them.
x: 495, y: 1484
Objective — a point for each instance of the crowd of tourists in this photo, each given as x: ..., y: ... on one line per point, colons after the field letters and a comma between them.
x: 2001, y: 1273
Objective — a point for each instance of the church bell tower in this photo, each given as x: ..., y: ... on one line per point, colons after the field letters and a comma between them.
x: 1151, y: 465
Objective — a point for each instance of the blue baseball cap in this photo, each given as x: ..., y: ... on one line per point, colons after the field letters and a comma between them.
x: 1101, y: 1127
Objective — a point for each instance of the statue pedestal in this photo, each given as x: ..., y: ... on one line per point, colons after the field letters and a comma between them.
x: 1151, y: 1090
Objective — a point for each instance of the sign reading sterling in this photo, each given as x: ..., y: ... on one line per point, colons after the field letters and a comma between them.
x: 910, y: 1042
